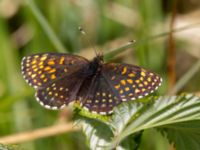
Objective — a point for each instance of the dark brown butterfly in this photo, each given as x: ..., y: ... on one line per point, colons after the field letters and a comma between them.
x: 60, y: 79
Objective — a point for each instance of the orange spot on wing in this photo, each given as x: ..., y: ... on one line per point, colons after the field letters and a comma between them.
x: 51, y: 62
x: 43, y: 58
x: 52, y: 71
x: 127, y: 89
x: 36, y: 56
x: 149, y: 79
x: 36, y: 69
x: 117, y: 86
x: 33, y: 76
x: 47, y: 68
x: 141, y: 78
x: 137, y: 81
x: 61, y: 60
x: 143, y: 74
x: 123, y: 82
x: 140, y: 85
x: 137, y: 91
x: 130, y: 81
x: 124, y: 70
x: 131, y: 75
x: 34, y: 66
x: 34, y: 62
x: 45, y: 80
x: 42, y: 76
x: 151, y: 74
x: 53, y: 76
x: 41, y: 63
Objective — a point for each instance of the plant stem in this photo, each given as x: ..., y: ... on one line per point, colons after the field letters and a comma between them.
x: 116, y: 51
x: 185, y: 79
x: 46, y: 27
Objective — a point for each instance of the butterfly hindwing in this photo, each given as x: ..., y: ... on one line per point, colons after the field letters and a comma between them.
x: 97, y: 96
x: 39, y: 70
x: 60, y: 93
x: 129, y: 81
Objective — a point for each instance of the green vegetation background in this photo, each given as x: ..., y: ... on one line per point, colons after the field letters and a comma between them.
x: 23, y: 33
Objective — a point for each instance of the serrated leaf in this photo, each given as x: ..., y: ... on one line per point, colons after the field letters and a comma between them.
x: 98, y: 134
x: 165, y: 110
x: 9, y: 147
x: 131, y: 117
x: 183, y: 135
x: 119, y: 121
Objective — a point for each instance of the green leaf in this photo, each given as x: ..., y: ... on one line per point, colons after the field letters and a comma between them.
x: 134, y: 116
x: 183, y: 135
x: 98, y: 134
x: 9, y: 147
x: 165, y: 110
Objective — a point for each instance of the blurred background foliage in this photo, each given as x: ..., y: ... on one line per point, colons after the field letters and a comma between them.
x: 109, y: 24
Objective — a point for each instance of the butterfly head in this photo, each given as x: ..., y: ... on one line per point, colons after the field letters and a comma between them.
x: 99, y: 58
x: 96, y: 64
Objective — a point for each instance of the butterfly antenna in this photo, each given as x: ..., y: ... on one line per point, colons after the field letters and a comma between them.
x: 88, y: 40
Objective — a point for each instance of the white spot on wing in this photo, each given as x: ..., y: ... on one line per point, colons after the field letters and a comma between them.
x: 34, y: 86
x: 110, y: 112
x: 133, y: 98
x: 94, y: 112
x: 140, y: 96
x: 47, y: 106
x: 102, y: 113
x: 53, y: 108
x: 124, y: 99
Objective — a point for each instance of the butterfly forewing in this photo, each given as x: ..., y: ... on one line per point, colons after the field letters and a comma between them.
x: 39, y: 70
x: 55, y: 76
x: 129, y: 81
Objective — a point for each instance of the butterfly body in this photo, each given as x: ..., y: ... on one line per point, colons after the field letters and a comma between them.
x: 61, y: 79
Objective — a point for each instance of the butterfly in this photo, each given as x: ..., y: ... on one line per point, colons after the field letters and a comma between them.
x: 61, y: 79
